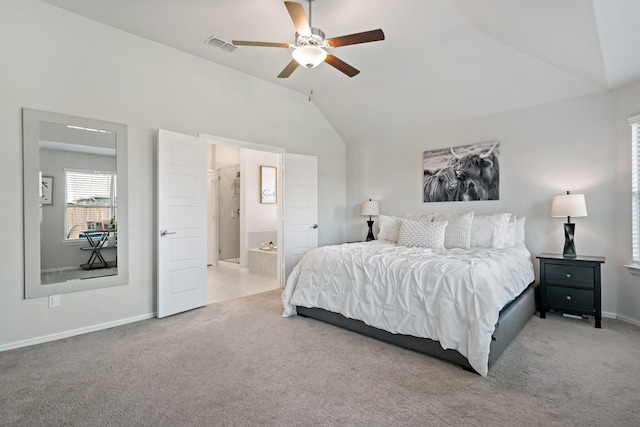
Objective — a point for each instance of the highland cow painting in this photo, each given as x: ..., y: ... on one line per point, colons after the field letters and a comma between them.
x: 465, y: 173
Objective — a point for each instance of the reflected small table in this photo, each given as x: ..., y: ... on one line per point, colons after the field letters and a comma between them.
x: 97, y: 240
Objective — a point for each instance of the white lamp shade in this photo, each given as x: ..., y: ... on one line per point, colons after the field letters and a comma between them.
x: 370, y: 208
x: 309, y: 56
x: 569, y: 205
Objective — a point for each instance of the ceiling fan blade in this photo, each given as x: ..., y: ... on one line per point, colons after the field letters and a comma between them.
x: 259, y: 44
x: 296, y: 10
x: 290, y: 68
x: 340, y: 65
x: 365, y: 37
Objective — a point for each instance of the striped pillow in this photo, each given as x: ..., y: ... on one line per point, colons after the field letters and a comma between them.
x: 458, y: 232
x: 422, y: 234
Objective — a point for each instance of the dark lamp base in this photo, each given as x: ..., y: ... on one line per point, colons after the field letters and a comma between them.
x: 569, y: 250
x: 370, y: 235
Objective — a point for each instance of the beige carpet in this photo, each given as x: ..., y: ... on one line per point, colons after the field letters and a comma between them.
x: 240, y: 363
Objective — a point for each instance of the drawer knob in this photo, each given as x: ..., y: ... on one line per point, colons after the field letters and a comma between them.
x: 568, y: 297
x: 568, y: 275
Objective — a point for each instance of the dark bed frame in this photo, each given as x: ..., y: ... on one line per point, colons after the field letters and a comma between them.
x: 512, y: 319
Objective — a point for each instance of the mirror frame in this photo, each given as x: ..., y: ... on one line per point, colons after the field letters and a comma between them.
x: 31, y: 120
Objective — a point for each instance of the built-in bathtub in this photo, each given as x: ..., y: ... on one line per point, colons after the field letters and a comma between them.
x: 264, y: 262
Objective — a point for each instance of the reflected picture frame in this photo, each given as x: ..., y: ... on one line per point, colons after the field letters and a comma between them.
x: 268, y: 184
x: 46, y: 190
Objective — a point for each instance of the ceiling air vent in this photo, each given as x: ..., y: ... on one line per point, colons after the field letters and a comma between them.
x: 224, y: 45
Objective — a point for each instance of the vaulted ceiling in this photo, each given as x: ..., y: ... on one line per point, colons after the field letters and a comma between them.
x: 441, y: 61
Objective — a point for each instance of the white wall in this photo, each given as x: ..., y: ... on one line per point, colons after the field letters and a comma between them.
x: 226, y: 155
x: 258, y: 216
x: 545, y: 150
x: 55, y: 61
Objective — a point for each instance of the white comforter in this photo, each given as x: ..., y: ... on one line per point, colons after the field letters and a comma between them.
x: 452, y: 296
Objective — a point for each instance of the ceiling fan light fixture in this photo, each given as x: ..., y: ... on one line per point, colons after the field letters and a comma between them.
x: 309, y: 56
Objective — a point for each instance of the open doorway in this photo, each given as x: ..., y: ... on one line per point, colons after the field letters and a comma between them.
x: 182, y: 222
x: 243, y: 233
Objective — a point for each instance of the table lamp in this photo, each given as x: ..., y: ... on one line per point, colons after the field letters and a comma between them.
x: 569, y: 205
x: 370, y: 208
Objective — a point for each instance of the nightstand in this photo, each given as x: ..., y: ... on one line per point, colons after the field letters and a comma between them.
x: 570, y: 285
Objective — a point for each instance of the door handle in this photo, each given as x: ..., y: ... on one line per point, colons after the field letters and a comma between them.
x: 314, y: 226
x: 165, y: 232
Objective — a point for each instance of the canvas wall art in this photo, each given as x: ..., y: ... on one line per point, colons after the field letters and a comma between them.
x: 464, y: 173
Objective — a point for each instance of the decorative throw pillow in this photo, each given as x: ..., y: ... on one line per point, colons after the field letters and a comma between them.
x: 490, y: 231
x: 458, y: 233
x: 389, y: 228
x: 418, y: 217
x: 422, y: 234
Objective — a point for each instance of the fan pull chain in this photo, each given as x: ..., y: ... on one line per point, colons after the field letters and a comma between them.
x: 310, y: 88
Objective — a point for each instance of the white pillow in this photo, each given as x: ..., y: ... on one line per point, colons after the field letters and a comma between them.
x: 420, y: 217
x: 389, y: 228
x: 458, y: 233
x: 490, y: 231
x: 519, y: 235
x: 422, y: 234
x: 511, y: 232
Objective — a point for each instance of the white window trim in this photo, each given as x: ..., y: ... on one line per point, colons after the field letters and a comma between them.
x: 634, y: 122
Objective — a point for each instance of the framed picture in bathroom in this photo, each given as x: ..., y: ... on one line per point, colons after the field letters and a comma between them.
x: 268, y: 184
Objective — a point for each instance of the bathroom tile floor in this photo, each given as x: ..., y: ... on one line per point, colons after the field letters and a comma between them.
x: 225, y: 282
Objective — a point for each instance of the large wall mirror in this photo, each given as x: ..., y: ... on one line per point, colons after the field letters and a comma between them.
x: 75, y: 203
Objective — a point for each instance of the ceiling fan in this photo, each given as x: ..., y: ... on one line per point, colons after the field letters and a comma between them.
x: 310, y: 46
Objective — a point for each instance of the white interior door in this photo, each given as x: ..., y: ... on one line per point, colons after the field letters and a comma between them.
x: 300, y: 231
x: 182, y: 223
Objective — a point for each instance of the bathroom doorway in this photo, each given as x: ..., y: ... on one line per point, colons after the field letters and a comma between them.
x: 239, y: 222
x: 228, y: 193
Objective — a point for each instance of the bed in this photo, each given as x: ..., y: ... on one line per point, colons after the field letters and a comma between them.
x: 460, y: 300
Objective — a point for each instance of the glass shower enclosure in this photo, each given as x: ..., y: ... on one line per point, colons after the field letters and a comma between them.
x: 229, y: 214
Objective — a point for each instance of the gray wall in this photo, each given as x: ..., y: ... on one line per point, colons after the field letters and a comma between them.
x: 57, y: 61
x: 581, y: 144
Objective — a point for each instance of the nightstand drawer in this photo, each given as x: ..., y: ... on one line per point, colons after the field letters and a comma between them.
x: 569, y: 298
x: 572, y: 275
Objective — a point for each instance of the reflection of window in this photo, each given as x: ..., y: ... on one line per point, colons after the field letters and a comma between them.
x: 90, y: 196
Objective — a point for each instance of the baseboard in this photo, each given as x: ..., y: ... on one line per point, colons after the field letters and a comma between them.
x: 74, y: 332
x: 625, y: 319
x: 628, y: 320
x: 58, y: 269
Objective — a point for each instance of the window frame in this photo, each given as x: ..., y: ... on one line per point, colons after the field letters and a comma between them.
x: 113, y: 199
